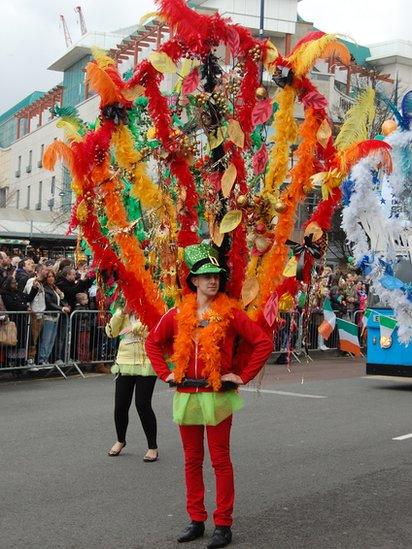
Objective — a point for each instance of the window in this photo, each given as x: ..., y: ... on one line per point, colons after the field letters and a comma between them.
x: 40, y: 162
x: 28, y: 198
x: 19, y: 164
x: 40, y: 193
x: 3, y: 197
x: 30, y: 157
x: 17, y: 199
x: 53, y: 185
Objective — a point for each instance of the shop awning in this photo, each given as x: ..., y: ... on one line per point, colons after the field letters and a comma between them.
x: 27, y: 224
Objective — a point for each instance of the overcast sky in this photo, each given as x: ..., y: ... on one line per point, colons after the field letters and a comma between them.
x: 31, y: 36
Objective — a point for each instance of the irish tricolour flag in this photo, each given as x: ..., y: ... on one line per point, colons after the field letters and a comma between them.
x: 365, y: 318
x: 329, y: 320
x: 348, y: 337
x: 387, y: 326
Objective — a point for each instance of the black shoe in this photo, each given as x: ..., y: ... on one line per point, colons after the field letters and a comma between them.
x: 222, y: 536
x: 193, y: 531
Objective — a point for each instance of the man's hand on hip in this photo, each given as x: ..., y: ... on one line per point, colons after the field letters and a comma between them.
x: 234, y: 378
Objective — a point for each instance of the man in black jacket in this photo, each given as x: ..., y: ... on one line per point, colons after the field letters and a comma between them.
x: 68, y: 284
x: 24, y: 272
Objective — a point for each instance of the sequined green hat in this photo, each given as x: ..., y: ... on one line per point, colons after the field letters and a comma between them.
x: 202, y: 259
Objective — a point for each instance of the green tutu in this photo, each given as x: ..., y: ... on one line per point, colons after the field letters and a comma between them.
x: 205, y: 408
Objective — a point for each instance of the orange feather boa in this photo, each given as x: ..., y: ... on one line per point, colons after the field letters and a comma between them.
x: 208, y: 339
x: 270, y: 272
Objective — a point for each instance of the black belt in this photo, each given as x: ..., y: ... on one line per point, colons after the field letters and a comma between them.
x: 202, y: 383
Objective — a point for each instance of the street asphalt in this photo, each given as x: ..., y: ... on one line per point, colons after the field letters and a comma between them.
x: 315, y: 460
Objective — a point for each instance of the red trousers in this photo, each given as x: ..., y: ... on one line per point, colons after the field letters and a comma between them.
x: 218, y: 439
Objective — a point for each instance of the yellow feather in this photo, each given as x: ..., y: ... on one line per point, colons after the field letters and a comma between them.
x: 358, y: 120
x: 285, y: 133
x: 151, y: 196
x: 126, y: 154
x: 71, y: 132
x: 308, y: 53
x: 151, y: 15
x: 101, y: 58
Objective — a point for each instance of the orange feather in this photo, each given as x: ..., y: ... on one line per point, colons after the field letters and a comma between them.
x: 101, y: 82
x: 58, y: 151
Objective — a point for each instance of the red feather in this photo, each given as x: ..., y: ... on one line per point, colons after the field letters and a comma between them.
x: 238, y: 253
x: 105, y: 258
x: 187, y: 215
x: 324, y: 211
x: 237, y: 260
x: 360, y: 150
x: 158, y: 105
x: 247, y: 98
x: 95, y: 143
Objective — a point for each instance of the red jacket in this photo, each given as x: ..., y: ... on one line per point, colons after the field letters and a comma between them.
x: 159, y: 343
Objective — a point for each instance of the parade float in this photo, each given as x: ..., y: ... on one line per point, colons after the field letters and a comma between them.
x: 193, y: 147
x: 377, y: 218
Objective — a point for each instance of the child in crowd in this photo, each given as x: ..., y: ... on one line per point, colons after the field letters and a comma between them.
x: 82, y: 328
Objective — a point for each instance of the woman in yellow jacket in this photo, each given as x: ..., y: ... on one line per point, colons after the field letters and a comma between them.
x: 133, y: 373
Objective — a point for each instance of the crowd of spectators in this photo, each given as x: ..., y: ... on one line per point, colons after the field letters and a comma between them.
x: 348, y: 294
x: 38, y: 295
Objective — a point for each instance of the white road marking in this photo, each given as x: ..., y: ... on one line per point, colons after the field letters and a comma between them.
x: 285, y: 393
x: 403, y: 437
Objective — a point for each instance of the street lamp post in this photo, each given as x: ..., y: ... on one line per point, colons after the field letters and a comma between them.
x: 262, y: 19
x: 261, y: 30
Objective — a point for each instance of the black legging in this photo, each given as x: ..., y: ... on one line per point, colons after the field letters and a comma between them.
x: 143, y: 386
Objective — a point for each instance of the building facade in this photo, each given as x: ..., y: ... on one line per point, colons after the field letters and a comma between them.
x: 30, y: 126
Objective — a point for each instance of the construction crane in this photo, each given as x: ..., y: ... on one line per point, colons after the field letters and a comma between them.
x: 83, y: 28
x: 67, y: 36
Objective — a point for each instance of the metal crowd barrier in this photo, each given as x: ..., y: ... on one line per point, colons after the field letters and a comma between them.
x: 76, y: 340
x: 87, y: 342
x: 315, y: 342
x: 81, y: 339
x: 300, y: 335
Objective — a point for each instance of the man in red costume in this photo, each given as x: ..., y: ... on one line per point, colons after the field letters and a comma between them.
x: 201, y: 337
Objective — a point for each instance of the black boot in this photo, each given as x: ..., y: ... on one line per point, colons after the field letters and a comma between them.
x: 222, y: 536
x: 193, y: 531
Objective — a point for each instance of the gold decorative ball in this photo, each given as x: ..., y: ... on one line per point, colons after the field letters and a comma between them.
x: 280, y: 207
x: 389, y: 126
x: 241, y: 200
x: 261, y: 92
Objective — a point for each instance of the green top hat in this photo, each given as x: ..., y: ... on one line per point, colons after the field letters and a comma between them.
x: 202, y: 259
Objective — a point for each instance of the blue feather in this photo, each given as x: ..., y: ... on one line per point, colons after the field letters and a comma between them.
x: 402, y: 123
x: 365, y: 264
x: 347, y: 189
x: 406, y: 107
